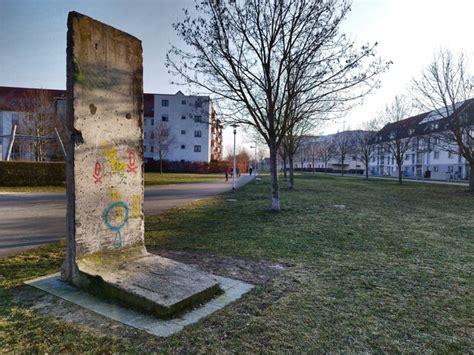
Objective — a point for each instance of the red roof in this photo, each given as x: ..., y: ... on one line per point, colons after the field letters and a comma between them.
x: 12, y: 97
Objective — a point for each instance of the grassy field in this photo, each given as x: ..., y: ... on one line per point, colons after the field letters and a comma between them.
x: 150, y: 180
x: 376, y: 267
x: 170, y: 178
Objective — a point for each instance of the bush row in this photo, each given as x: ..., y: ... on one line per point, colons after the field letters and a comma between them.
x: 28, y: 173
x: 192, y: 167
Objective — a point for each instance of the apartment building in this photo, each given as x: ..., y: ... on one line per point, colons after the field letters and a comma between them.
x: 183, y: 127
x: 187, y: 126
x: 16, y: 105
x: 323, y: 153
x: 428, y: 154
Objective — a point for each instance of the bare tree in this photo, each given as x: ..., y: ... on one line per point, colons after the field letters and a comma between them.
x: 291, y: 144
x: 364, y: 140
x: 344, y: 145
x: 396, y: 143
x: 325, y: 150
x: 162, y: 140
x: 38, y: 122
x: 249, y: 54
x: 443, y: 87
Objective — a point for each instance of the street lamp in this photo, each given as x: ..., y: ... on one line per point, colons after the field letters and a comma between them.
x: 255, y: 146
x: 234, y: 126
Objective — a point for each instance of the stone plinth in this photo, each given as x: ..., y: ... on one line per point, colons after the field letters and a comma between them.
x: 104, y: 118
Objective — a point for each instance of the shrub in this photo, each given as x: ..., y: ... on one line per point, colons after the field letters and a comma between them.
x: 28, y: 173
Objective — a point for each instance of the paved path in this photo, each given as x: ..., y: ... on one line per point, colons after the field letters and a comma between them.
x: 31, y: 219
x: 395, y: 178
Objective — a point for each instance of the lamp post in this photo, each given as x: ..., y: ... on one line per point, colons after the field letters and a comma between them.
x: 255, y: 165
x: 234, y: 126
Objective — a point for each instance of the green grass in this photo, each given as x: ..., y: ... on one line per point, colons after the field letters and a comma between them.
x: 171, y: 178
x: 150, y: 180
x: 391, y: 272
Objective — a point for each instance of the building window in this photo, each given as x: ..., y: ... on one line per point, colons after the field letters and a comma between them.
x: 146, y: 121
x: 152, y: 121
x: 144, y: 135
x: 436, y: 155
x: 164, y: 118
x: 183, y: 102
x: 183, y: 146
x: 197, y: 119
x: 354, y: 158
x: 393, y: 160
x: 450, y: 155
x: 198, y: 103
x: 411, y: 131
x: 197, y: 148
x: 435, y: 168
x: 197, y: 134
x: 183, y: 117
x: 165, y: 103
x: 151, y: 149
x: 144, y: 148
x: 407, y: 156
x: 183, y: 131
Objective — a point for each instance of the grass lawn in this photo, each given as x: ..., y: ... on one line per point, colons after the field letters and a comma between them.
x: 150, y: 179
x: 390, y: 271
x: 170, y: 178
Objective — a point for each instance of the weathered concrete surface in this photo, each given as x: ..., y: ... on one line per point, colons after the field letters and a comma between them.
x: 105, y: 244
x: 150, y: 282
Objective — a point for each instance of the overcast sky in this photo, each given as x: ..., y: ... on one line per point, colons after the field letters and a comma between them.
x: 33, y: 40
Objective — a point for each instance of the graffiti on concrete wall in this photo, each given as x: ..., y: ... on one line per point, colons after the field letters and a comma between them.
x: 115, y: 217
x: 109, y: 164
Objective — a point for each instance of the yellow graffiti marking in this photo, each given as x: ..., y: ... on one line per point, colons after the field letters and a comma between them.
x: 111, y: 156
x: 135, y: 206
x: 115, y: 195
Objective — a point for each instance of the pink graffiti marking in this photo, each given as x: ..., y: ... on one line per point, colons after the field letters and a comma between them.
x: 132, y: 165
x: 97, y: 173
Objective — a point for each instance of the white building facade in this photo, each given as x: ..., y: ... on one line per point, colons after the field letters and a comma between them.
x: 428, y: 154
x: 193, y: 132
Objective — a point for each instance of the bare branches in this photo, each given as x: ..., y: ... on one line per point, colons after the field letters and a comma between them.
x: 445, y: 87
x: 274, y: 64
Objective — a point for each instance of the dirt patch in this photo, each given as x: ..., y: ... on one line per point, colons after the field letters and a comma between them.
x: 252, y: 271
x: 256, y: 272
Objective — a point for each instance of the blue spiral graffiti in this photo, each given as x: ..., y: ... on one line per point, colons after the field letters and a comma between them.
x: 117, y: 243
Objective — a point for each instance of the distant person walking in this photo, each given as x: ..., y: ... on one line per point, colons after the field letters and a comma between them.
x: 226, y: 175
x: 237, y: 170
x: 250, y: 171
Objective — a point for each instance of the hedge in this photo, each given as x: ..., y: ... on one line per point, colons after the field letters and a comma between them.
x: 28, y: 173
x: 197, y: 167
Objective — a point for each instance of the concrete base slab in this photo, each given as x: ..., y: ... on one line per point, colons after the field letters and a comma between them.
x: 147, y: 282
x: 53, y: 284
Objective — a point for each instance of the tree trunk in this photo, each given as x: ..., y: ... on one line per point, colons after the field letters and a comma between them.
x: 292, y: 173
x: 274, y: 179
x: 367, y: 170
x: 342, y: 166
x: 471, y: 177
x: 284, y: 167
x: 161, y: 166
x: 399, y: 173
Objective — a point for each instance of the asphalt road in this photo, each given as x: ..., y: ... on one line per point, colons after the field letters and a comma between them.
x: 31, y: 219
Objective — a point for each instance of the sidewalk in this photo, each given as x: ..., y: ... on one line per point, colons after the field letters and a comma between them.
x: 395, y: 178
